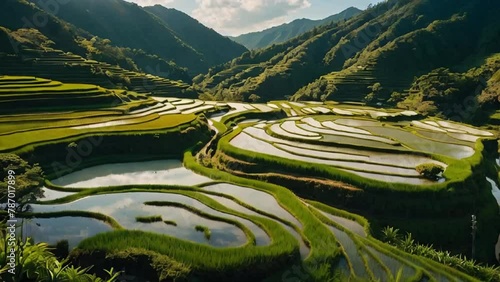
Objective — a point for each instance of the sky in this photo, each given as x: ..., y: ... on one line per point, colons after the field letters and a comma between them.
x: 235, y: 17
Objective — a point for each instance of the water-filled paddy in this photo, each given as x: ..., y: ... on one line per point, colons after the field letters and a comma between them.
x: 356, y: 122
x: 258, y: 199
x: 422, y: 144
x: 350, y: 129
x: 261, y: 236
x: 125, y: 207
x: 427, y: 126
x: 392, y: 178
x: 393, y: 264
x: 49, y: 194
x: 247, y: 142
x: 291, y: 127
x: 339, y: 160
x: 494, y: 189
x: 321, y: 154
x: 276, y: 128
x: 309, y: 128
x: 351, y: 251
x: 444, y: 138
x: 73, y: 229
x: 404, y: 160
x: 351, y: 225
x: 377, y: 270
x: 165, y: 172
x: 468, y: 129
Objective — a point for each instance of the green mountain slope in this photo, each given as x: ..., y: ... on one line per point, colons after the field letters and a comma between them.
x: 129, y: 25
x: 284, y: 32
x: 34, y: 55
x: 215, y: 47
x: 19, y: 14
x: 389, y: 44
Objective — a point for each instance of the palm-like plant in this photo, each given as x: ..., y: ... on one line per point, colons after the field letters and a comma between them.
x: 35, y: 262
x: 390, y: 235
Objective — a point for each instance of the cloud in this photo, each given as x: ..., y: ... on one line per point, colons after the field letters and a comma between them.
x: 239, y: 16
x: 145, y: 3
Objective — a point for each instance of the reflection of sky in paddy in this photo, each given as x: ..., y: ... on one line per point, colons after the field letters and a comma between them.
x: 497, y: 249
x: 304, y: 250
x: 496, y: 193
x: 73, y: 229
x: 351, y: 225
x: 124, y: 207
x: 49, y: 194
x: 258, y: 199
x: 150, y: 172
x: 494, y: 189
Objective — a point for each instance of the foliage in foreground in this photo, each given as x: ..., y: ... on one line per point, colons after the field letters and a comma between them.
x: 36, y: 262
x: 469, y: 266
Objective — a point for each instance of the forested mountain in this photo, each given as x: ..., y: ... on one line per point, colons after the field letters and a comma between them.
x: 129, y: 25
x: 120, y: 32
x: 422, y: 55
x: 284, y: 32
x: 28, y: 52
x: 215, y: 47
x: 371, y: 56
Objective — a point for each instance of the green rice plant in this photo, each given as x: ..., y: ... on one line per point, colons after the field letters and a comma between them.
x: 204, y: 260
x: 323, y: 248
x: 170, y: 222
x: 283, y: 248
x: 419, y: 263
x: 458, y: 174
x: 17, y: 142
x: 148, y: 219
x: 245, y: 229
x: 107, y: 219
x: 206, y: 231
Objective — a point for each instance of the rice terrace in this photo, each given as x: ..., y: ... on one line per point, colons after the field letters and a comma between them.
x: 170, y: 152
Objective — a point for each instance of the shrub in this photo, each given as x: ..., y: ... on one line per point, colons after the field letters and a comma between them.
x: 430, y: 170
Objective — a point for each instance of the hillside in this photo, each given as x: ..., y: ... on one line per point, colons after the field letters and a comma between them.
x: 133, y: 37
x: 215, y: 47
x: 129, y: 25
x: 35, y: 55
x: 389, y: 44
x: 16, y: 14
x: 285, y: 32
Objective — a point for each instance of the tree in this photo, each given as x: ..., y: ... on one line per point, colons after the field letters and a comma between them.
x: 376, y: 90
x: 26, y: 179
x: 254, y: 98
x: 430, y: 170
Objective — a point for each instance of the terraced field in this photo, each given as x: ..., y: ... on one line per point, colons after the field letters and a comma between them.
x: 108, y: 111
x: 387, y: 152
x: 241, y: 220
x: 210, y: 185
x: 70, y: 68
